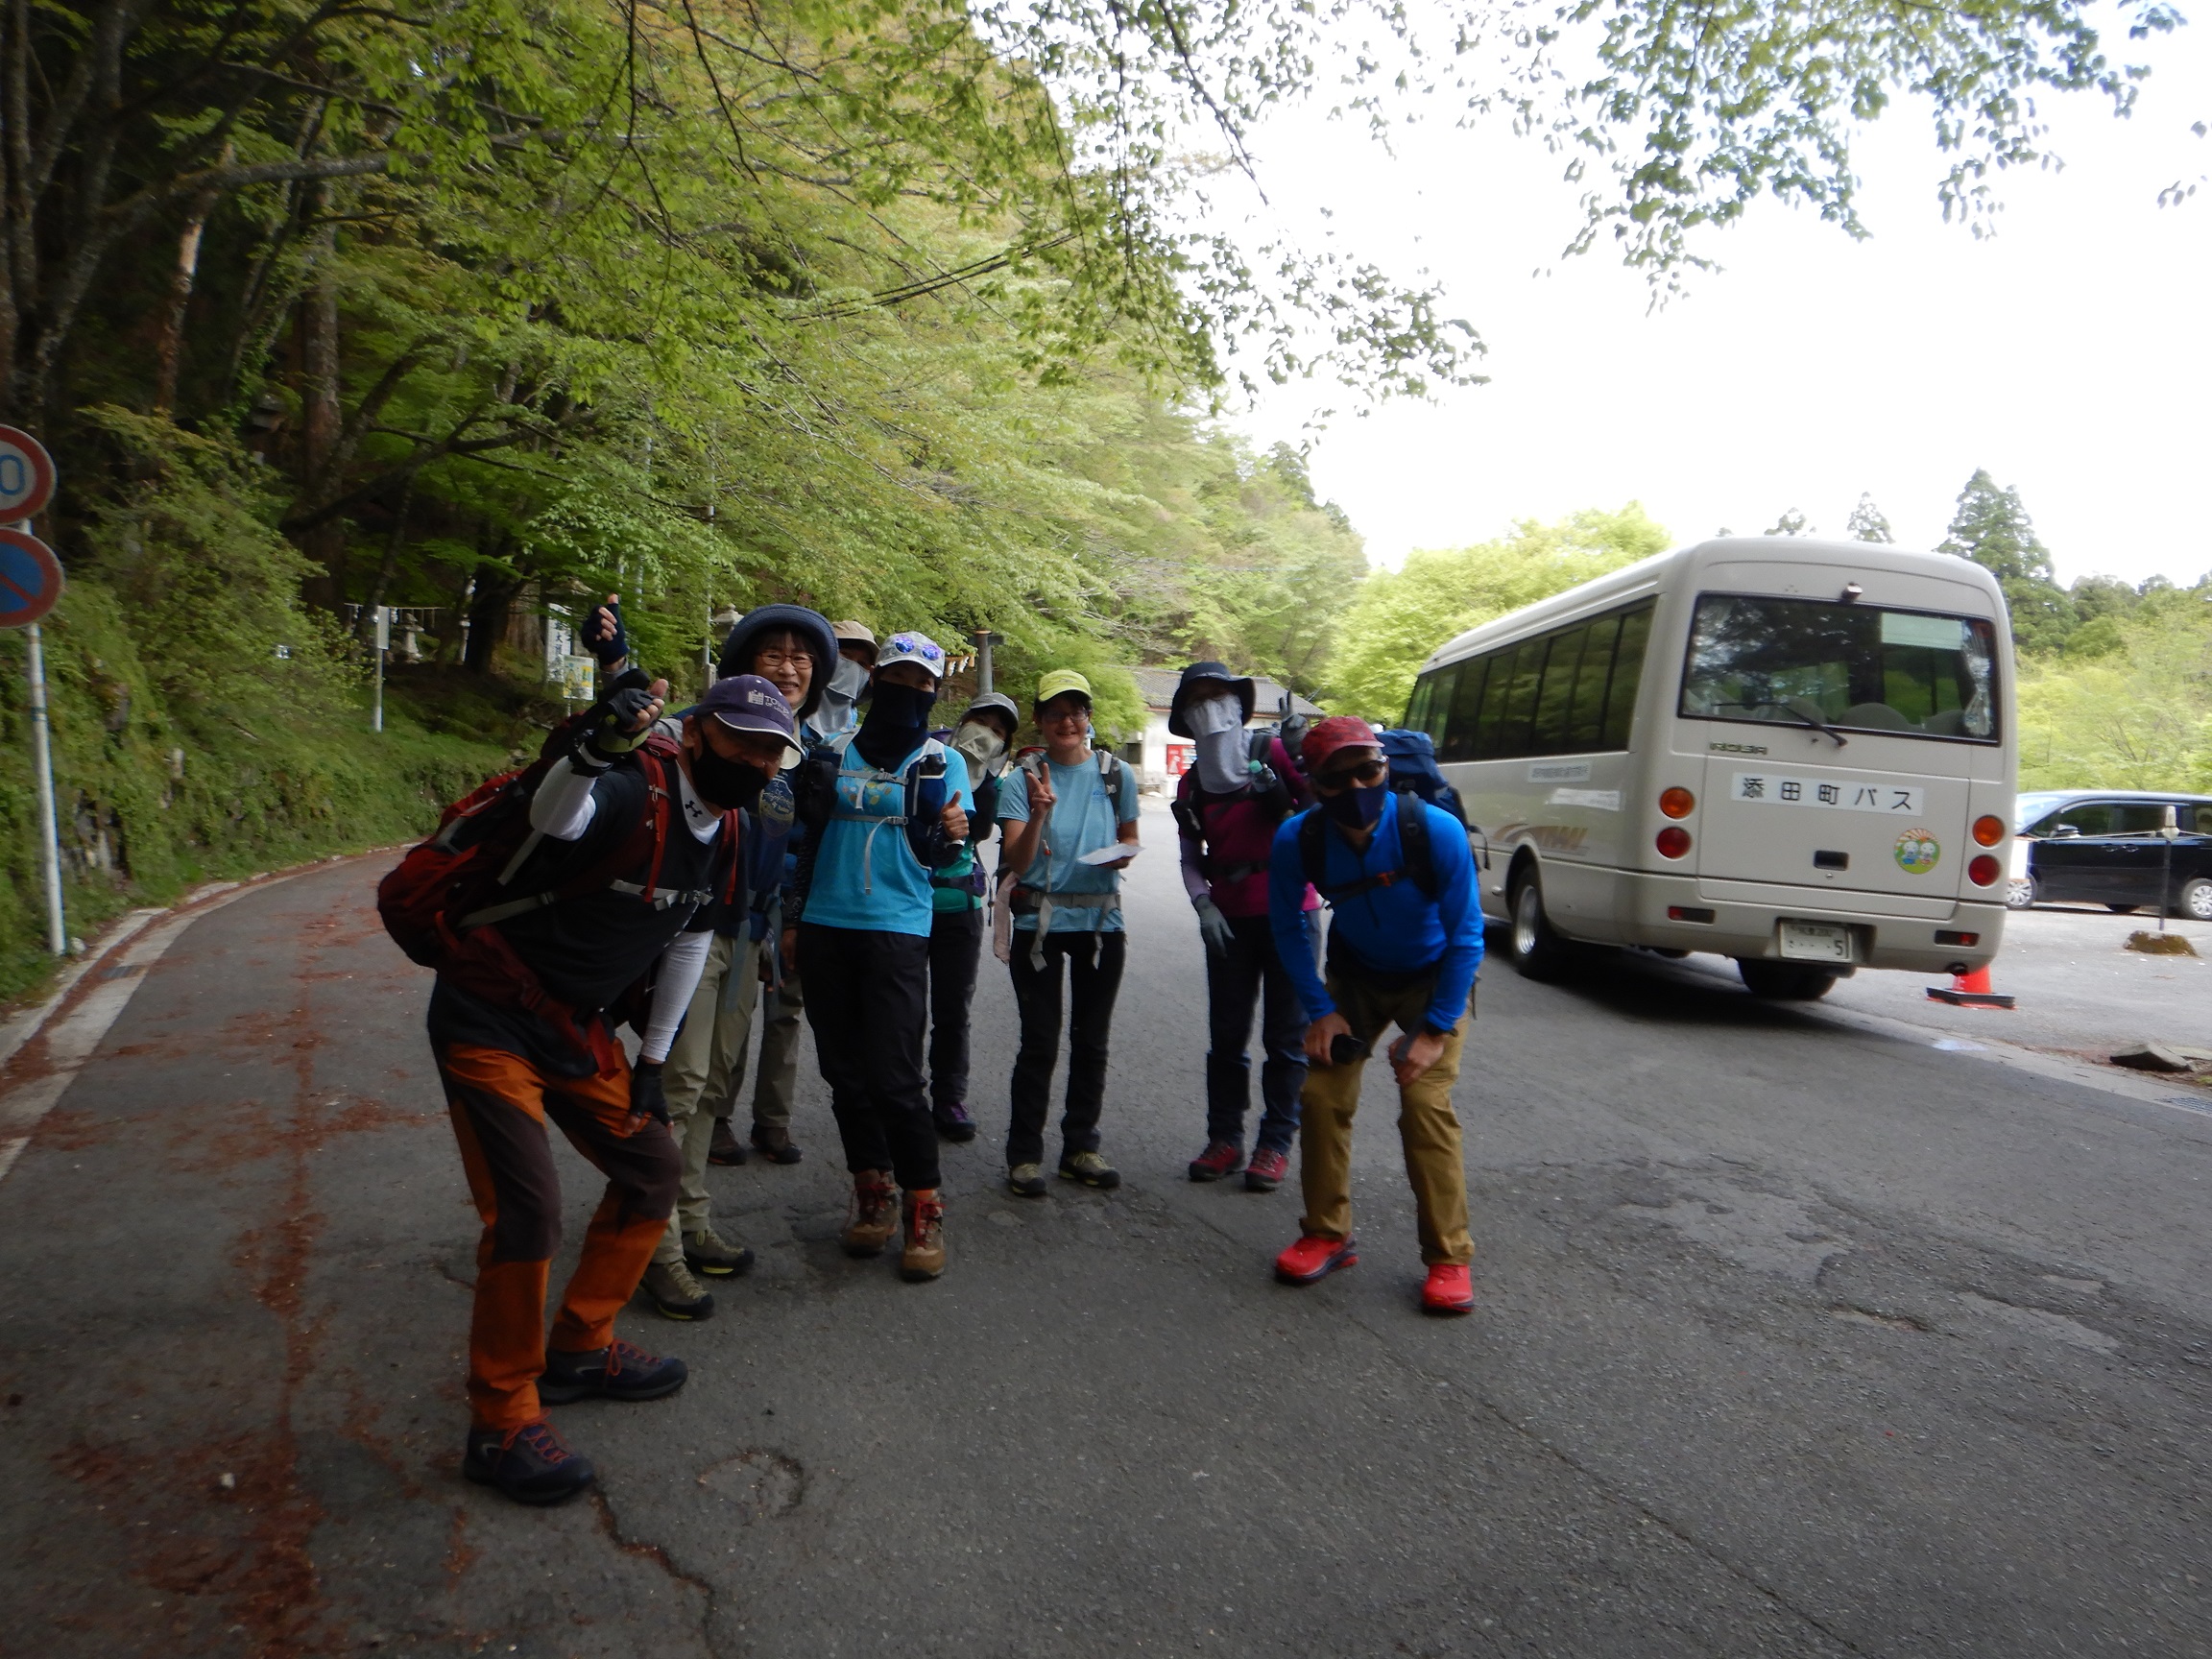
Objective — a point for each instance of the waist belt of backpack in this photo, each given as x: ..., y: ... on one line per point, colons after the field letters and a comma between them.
x: 661, y: 898
x: 1043, y: 902
x: 1235, y: 872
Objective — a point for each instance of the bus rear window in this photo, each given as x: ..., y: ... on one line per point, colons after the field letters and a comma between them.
x: 1858, y: 668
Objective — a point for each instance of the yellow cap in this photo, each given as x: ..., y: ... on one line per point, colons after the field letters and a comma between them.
x: 1059, y: 683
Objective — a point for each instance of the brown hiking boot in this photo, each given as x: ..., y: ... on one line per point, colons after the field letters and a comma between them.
x: 874, y: 1213
x: 725, y: 1149
x: 924, y: 1254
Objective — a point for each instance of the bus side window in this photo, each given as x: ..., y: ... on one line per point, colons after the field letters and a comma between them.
x: 1417, y: 705
x: 1628, y: 675
x: 1507, y: 734
x: 1463, y: 726
x: 1586, y: 718
x: 1550, y: 734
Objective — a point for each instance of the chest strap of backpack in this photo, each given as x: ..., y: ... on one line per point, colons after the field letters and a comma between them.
x: 912, y: 778
x: 650, y: 836
x: 1417, y: 864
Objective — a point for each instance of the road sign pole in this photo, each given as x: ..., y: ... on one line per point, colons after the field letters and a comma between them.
x: 42, y: 762
x: 382, y: 635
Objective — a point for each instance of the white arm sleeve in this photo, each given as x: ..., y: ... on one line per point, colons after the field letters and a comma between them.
x: 681, y: 966
x: 563, y: 806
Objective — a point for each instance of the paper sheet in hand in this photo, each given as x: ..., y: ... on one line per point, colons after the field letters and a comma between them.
x: 1110, y: 853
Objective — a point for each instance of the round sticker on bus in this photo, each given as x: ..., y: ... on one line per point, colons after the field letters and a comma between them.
x: 1917, y: 852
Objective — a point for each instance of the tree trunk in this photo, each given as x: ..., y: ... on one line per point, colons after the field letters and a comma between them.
x: 321, y: 419
x: 169, y: 344
x: 494, y: 593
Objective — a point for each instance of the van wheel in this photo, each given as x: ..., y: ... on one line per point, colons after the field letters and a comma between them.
x: 1537, y: 951
x: 2194, y: 900
x: 2020, y: 894
x: 1784, y: 981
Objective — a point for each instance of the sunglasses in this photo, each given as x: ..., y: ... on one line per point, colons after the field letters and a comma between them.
x: 1361, y: 773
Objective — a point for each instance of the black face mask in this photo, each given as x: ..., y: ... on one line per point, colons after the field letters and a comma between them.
x: 1357, y: 807
x: 891, y: 728
x: 733, y: 786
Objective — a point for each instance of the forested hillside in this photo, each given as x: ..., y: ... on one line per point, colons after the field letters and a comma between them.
x: 917, y: 313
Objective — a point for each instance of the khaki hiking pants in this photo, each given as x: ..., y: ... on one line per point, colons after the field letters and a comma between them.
x: 1428, y: 1127
x: 704, y: 1063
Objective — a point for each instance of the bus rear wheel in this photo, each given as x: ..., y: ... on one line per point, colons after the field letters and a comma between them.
x: 1537, y: 951
x: 1784, y: 981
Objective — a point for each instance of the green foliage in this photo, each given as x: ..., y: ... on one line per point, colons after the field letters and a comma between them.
x: 1992, y: 528
x: 1401, y: 617
x: 2135, y: 713
x: 1868, y: 522
x: 1790, y: 523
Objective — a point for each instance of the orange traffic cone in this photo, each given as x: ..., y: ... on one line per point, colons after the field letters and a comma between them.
x: 1971, y: 991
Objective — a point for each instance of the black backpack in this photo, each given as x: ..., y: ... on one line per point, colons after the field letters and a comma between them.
x: 1419, y: 864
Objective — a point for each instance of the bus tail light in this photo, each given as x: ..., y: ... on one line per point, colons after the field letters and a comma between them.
x: 1679, y: 802
x: 1984, y: 870
x: 1988, y: 830
x: 1688, y: 913
x: 1674, y: 841
x: 1944, y: 936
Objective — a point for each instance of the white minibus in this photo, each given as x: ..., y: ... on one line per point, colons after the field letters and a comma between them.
x: 1799, y: 754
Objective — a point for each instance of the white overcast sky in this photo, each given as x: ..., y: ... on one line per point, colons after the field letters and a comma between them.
x: 2071, y: 354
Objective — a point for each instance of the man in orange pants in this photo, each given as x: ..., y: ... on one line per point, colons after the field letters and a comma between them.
x: 628, y: 855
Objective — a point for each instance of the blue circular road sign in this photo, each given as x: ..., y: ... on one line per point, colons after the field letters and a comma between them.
x: 30, y: 578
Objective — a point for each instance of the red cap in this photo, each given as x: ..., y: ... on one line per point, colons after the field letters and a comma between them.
x: 1337, y: 732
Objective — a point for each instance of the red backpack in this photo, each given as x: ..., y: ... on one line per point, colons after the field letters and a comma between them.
x: 440, y: 902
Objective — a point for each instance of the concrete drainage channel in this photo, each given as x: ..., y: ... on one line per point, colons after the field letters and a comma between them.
x: 42, y: 1049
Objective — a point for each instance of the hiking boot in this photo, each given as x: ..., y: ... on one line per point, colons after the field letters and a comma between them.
x: 1089, y: 1168
x: 775, y: 1144
x: 1220, y: 1159
x: 674, y: 1293
x: 1026, y: 1180
x: 725, y: 1149
x: 874, y: 1213
x: 706, y: 1252
x: 953, y: 1120
x: 619, y: 1371
x: 1265, y: 1172
x: 1314, y: 1258
x: 1450, y: 1289
x: 529, y: 1464
x: 923, y: 1256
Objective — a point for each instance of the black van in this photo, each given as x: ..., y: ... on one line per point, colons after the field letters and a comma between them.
x: 2105, y: 846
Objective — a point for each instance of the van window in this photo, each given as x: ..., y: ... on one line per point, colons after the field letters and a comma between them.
x: 1586, y: 716
x: 2204, y: 819
x: 1554, y: 704
x: 1421, y: 707
x: 1506, y: 717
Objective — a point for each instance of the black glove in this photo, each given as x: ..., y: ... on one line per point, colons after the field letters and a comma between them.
x: 648, y: 1096
x: 605, y: 730
x: 613, y: 649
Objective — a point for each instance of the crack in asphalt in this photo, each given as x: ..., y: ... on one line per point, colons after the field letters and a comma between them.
x: 645, y: 1549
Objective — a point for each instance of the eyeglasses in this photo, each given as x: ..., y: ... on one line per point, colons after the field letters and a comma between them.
x: 785, y: 659
x: 1362, y: 774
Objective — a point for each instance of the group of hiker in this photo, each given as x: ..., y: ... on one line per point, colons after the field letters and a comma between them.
x: 810, y: 840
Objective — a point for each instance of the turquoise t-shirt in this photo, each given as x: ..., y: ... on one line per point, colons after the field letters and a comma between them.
x: 866, y: 875
x: 1085, y: 816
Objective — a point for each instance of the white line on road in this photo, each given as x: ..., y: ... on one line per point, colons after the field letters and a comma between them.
x: 72, y: 1041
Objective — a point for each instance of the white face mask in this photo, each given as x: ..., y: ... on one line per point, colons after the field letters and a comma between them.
x: 1218, y: 722
x: 979, y: 744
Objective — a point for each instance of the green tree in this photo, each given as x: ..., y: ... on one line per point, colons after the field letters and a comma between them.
x: 1399, y: 616
x: 1867, y: 523
x: 1790, y: 523
x: 1992, y: 528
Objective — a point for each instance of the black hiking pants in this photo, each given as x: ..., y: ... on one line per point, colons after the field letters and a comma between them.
x: 867, y: 1000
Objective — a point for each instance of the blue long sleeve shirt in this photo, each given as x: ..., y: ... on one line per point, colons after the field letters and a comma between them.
x: 1397, y: 929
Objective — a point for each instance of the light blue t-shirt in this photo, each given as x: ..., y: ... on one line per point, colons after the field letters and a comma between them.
x: 875, y: 884
x: 1085, y: 816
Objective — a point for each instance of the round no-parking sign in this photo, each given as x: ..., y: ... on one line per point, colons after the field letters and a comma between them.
x: 26, y: 475
x: 30, y: 578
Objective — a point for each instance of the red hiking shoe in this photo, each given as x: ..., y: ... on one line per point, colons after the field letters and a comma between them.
x: 1220, y: 1159
x: 1314, y: 1258
x: 1265, y: 1172
x: 1449, y: 1290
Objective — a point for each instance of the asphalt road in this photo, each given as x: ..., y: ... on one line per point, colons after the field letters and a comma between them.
x: 1797, y: 1338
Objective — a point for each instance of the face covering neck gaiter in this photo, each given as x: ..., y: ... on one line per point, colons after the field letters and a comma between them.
x: 841, y: 696
x: 1358, y: 808
x: 1219, y: 726
x: 729, y: 784
x: 981, y: 746
x: 891, y: 728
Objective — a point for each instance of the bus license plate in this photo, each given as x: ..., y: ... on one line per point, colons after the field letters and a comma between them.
x: 1815, y: 942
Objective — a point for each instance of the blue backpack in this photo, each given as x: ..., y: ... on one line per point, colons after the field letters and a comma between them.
x: 1412, y: 758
